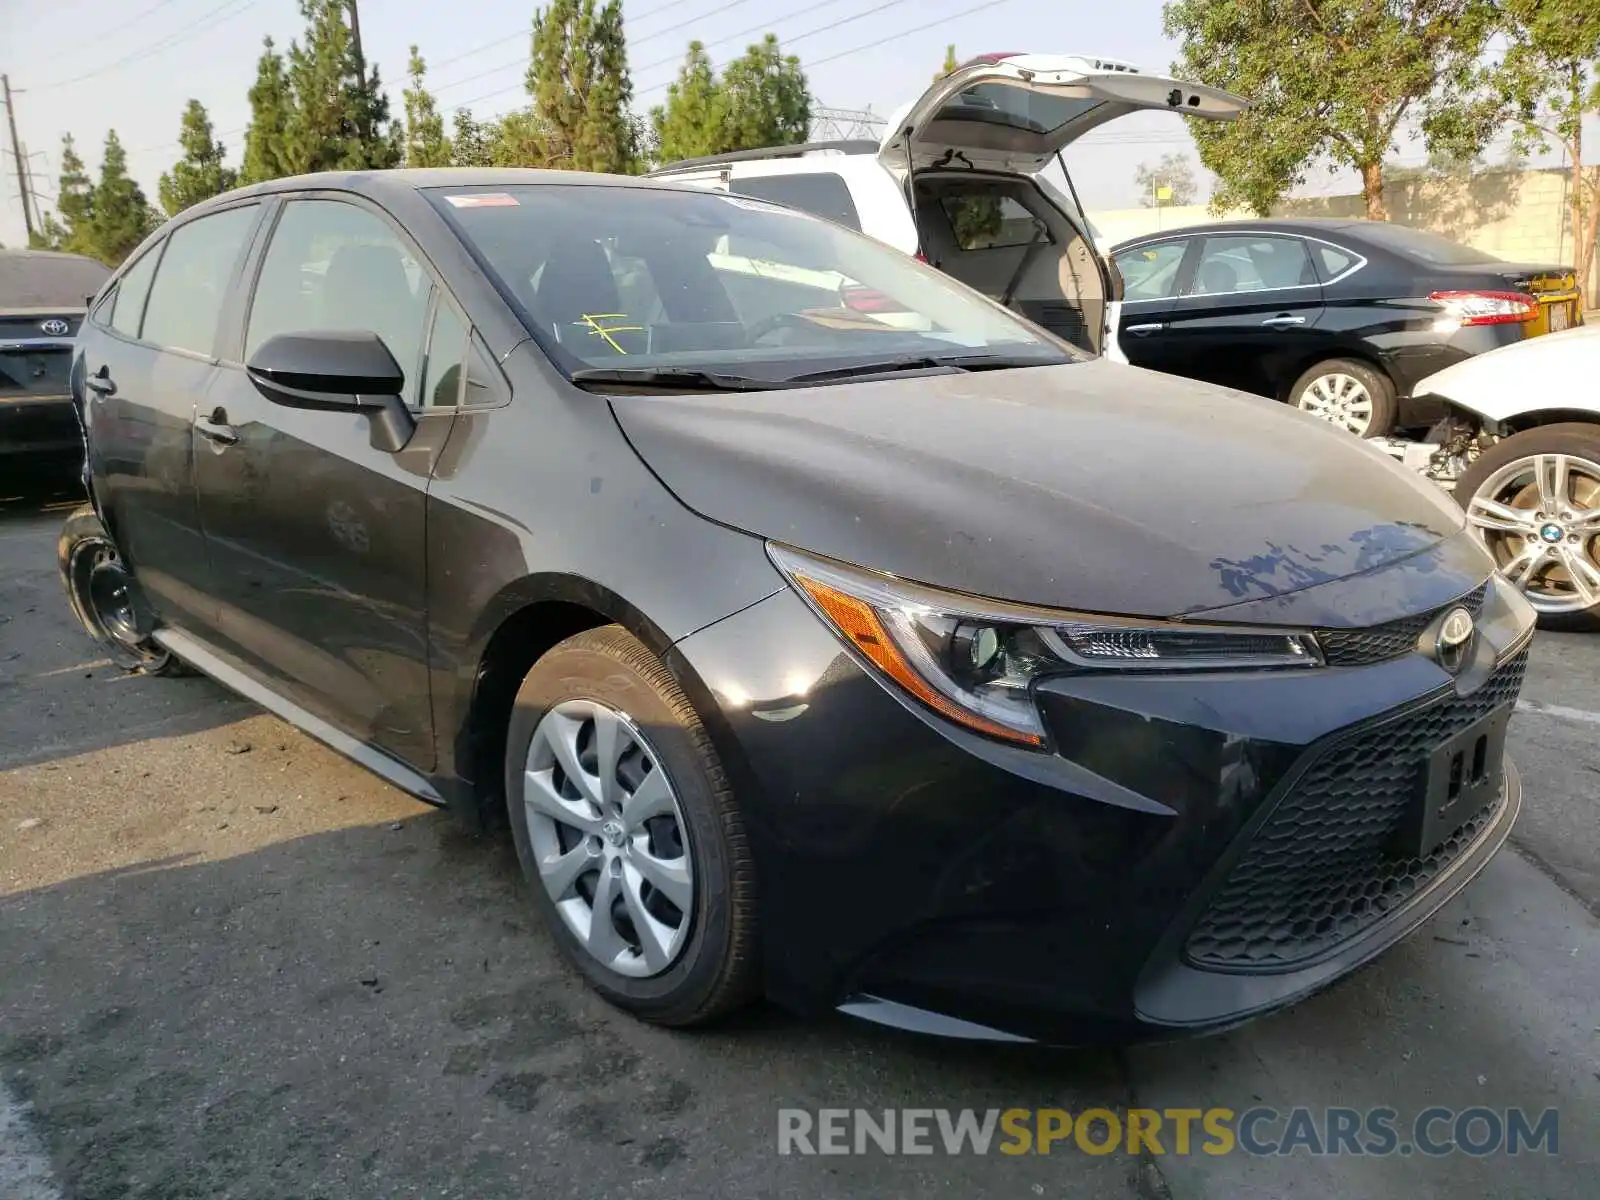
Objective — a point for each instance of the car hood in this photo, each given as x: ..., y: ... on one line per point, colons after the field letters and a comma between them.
x: 1495, y: 385
x: 1091, y: 486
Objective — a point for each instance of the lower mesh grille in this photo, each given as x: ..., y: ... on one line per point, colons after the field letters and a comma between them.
x: 1320, y: 870
x: 1363, y: 647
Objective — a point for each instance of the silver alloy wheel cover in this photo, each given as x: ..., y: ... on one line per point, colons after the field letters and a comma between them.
x: 608, y: 843
x: 1339, y: 399
x: 1555, y: 534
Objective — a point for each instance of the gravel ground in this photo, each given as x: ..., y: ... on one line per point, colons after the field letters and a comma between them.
x: 233, y: 964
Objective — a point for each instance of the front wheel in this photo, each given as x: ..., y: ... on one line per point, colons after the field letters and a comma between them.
x: 103, y: 596
x: 1534, y: 501
x: 628, y: 833
x: 1358, y: 398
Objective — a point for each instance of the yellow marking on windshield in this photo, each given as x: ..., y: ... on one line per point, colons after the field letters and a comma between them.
x: 592, y: 320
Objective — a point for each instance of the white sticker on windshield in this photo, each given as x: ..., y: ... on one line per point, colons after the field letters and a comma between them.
x: 485, y: 200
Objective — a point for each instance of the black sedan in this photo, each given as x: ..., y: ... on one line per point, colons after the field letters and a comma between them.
x: 43, y: 296
x: 931, y: 671
x: 1340, y: 318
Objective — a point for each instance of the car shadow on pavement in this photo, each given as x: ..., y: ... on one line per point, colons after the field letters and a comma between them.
x: 378, y: 1011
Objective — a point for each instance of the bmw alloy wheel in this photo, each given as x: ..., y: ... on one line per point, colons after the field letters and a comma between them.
x: 609, y: 838
x: 1540, y: 517
x: 1339, y: 399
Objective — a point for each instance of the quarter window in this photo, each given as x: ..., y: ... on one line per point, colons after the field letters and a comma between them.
x: 1251, y: 264
x: 1151, y: 272
x: 985, y: 221
x: 824, y: 194
x: 194, y: 280
x: 447, y: 348
x: 132, y: 289
x: 1332, y: 261
x: 334, y: 266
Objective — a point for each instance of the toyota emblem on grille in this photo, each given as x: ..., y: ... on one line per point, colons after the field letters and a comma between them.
x: 55, y: 327
x: 1454, y: 639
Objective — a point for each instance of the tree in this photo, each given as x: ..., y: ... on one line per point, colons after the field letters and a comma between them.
x: 689, y: 124
x: 73, y: 231
x: 426, y: 145
x: 1330, y: 79
x: 266, y: 151
x: 1549, y: 79
x: 765, y: 100
x: 1174, y: 172
x: 473, y: 143
x: 951, y: 65
x: 578, y: 79
x: 199, y: 174
x: 337, y: 116
x: 121, y: 217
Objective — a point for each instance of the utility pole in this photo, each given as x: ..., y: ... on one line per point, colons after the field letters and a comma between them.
x: 16, y: 152
x: 361, y: 68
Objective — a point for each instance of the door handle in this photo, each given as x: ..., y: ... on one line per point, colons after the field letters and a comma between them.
x: 100, y: 383
x: 216, y: 428
x: 1141, y: 330
x: 1283, y: 322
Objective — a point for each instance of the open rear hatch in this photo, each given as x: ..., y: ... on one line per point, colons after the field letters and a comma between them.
x: 1014, y: 112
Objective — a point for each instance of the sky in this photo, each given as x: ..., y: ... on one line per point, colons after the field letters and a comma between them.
x: 83, y: 66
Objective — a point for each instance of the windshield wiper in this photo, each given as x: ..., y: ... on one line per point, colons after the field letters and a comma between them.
x: 687, y: 378
x: 926, y: 362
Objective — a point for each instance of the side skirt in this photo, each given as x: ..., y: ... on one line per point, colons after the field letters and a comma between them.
x: 234, y: 676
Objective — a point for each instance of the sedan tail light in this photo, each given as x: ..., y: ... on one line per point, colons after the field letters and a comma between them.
x: 1488, y: 308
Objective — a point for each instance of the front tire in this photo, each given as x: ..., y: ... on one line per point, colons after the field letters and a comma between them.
x: 1534, y: 500
x: 103, y: 596
x: 629, y: 836
x: 1349, y: 394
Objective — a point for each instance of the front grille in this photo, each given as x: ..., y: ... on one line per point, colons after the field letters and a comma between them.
x: 1320, y: 869
x: 1363, y: 647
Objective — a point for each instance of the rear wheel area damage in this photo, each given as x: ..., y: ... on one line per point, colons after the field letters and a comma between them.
x: 105, y: 597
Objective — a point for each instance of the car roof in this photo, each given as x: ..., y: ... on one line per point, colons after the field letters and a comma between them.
x: 32, y: 279
x: 1302, y: 225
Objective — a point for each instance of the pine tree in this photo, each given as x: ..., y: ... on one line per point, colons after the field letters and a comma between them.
x: 199, y: 174
x: 266, y: 152
x: 473, y: 143
x: 765, y: 100
x: 950, y: 63
x: 337, y: 113
x: 689, y: 124
x: 578, y: 78
x: 121, y: 216
x: 75, y: 203
x: 425, y: 141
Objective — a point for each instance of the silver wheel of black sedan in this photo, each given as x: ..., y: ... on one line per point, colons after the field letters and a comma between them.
x: 608, y: 837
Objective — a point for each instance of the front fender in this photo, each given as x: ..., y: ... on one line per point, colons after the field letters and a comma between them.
x: 1552, y: 372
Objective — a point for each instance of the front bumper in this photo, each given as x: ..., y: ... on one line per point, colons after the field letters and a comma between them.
x: 914, y: 874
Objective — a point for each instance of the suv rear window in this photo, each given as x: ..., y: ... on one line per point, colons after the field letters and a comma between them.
x: 1003, y: 104
x: 824, y: 194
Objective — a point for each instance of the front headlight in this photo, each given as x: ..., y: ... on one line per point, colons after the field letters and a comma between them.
x: 974, y: 661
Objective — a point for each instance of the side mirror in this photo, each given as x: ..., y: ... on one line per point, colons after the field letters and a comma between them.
x: 336, y: 372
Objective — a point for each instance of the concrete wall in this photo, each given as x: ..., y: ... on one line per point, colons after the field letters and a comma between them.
x: 1519, y: 215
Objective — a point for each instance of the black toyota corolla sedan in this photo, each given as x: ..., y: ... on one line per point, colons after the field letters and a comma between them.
x: 929, y: 671
x: 1340, y: 318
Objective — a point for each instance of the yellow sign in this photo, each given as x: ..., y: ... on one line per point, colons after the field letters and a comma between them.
x: 1163, y: 193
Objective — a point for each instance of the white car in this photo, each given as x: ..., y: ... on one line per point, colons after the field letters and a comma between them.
x: 1522, y: 451
x: 976, y: 146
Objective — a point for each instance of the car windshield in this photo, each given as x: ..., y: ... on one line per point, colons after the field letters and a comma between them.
x: 672, y: 280
x: 1419, y: 243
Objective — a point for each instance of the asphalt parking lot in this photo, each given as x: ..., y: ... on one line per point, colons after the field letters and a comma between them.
x: 233, y: 964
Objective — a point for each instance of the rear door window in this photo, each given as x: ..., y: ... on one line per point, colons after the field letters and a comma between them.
x: 196, y: 275
x: 824, y: 194
x: 1233, y: 264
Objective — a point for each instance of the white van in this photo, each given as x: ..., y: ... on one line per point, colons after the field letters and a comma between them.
x: 975, y: 146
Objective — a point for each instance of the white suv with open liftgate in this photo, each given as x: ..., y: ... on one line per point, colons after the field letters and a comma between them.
x: 976, y: 146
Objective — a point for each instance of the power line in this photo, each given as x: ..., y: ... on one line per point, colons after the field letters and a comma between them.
x: 899, y: 34
x: 214, y: 18
x: 102, y: 34
x: 526, y: 30
x: 649, y: 37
